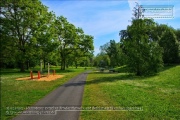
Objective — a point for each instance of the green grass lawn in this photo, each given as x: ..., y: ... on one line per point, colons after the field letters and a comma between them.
x: 157, y: 96
x: 26, y: 93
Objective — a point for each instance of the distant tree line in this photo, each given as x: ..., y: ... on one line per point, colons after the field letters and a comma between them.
x: 30, y: 34
x: 144, y: 47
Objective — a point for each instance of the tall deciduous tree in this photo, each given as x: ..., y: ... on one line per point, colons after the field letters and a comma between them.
x: 178, y: 34
x: 72, y: 40
x: 66, y: 34
x: 144, y: 55
x: 178, y: 38
x: 46, y: 39
x: 102, y: 60
x: 113, y: 50
x: 21, y: 19
x: 168, y: 39
x: 84, y: 49
x: 170, y: 46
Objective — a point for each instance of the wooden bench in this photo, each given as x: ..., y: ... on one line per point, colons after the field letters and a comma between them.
x: 112, y: 70
x: 102, y: 69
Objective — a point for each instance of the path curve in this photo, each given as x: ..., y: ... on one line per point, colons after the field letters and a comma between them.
x: 55, y: 105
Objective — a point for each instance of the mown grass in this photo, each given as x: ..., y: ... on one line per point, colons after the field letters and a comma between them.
x: 26, y: 93
x: 158, y: 95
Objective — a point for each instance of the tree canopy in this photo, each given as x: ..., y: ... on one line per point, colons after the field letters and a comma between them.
x: 30, y: 34
x: 144, y: 55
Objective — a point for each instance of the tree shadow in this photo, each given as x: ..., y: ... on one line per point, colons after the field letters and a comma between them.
x: 168, y: 66
x: 123, y: 76
x: 12, y: 71
x: 102, y: 73
x: 80, y: 83
x: 111, y: 79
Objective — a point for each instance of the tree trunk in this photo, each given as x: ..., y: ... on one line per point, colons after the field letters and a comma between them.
x: 63, y: 61
x: 27, y: 65
x: 22, y: 67
x: 22, y: 60
x: 76, y: 63
x: 63, y: 64
x: 44, y: 64
x: 138, y: 73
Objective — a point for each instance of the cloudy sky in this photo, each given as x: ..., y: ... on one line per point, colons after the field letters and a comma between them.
x: 103, y: 19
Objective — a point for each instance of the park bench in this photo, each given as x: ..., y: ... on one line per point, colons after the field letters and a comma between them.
x: 102, y: 69
x: 112, y: 70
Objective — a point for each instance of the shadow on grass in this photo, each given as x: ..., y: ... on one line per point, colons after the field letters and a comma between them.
x: 122, y: 76
x: 12, y: 71
x: 64, y: 71
x: 80, y: 83
x: 125, y: 69
x: 168, y: 66
x: 106, y: 72
x: 110, y: 79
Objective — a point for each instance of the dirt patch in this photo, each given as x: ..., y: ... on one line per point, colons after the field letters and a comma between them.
x: 43, y: 78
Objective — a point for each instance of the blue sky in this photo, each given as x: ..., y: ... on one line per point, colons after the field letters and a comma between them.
x: 103, y: 19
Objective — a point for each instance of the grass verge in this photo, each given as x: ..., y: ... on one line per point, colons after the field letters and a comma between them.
x: 156, y: 96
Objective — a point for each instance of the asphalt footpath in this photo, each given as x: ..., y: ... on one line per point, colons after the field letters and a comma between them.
x: 64, y: 103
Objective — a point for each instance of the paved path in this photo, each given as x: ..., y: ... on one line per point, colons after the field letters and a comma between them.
x: 66, y: 96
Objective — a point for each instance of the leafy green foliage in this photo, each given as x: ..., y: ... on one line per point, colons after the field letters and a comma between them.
x: 102, y: 60
x: 168, y: 40
x: 178, y: 34
x: 144, y: 55
x: 22, y: 20
x: 31, y: 34
x: 113, y: 50
x: 170, y: 46
x: 72, y: 41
